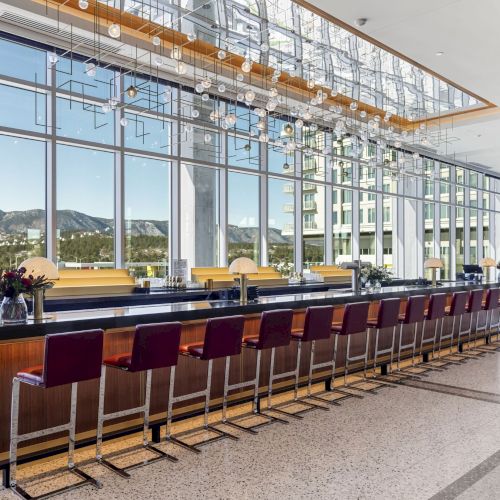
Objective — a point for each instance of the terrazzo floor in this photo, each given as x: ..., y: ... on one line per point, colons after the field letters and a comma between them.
x: 403, y: 443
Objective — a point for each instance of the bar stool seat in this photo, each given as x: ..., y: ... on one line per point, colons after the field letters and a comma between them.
x: 69, y: 358
x: 354, y: 321
x: 490, y: 305
x: 223, y: 339
x: 122, y: 360
x: 250, y: 341
x: 155, y: 346
x: 31, y: 375
x: 457, y: 308
x: 297, y: 334
x: 413, y: 315
x: 387, y: 317
x: 195, y: 349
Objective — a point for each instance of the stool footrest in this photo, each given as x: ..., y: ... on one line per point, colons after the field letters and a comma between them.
x: 43, y: 432
x: 123, y: 413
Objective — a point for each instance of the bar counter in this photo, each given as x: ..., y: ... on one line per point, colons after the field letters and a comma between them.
x: 21, y: 346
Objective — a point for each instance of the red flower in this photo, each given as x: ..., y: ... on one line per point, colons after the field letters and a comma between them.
x: 26, y: 282
x: 9, y: 275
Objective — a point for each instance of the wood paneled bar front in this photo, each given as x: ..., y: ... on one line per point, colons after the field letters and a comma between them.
x: 22, y: 346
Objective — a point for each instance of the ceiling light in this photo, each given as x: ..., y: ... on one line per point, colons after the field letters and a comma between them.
x: 246, y: 66
x: 114, y: 31
x: 287, y: 130
x: 131, y: 91
x: 83, y: 4
x: 439, y: 53
x: 156, y: 41
x: 124, y: 122
x: 360, y: 21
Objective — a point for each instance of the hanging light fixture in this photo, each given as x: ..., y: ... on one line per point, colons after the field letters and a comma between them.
x: 132, y: 91
x: 114, y: 30
x: 287, y: 130
x: 83, y: 4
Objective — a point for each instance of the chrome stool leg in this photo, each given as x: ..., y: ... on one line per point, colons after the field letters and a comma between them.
x: 16, y: 438
x: 320, y: 396
x: 177, y: 438
x: 372, y: 385
x: 145, y: 410
x: 235, y: 422
x: 280, y: 408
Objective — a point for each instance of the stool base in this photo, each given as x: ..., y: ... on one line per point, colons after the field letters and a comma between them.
x: 251, y: 429
x: 123, y: 471
x: 86, y: 480
x: 176, y: 439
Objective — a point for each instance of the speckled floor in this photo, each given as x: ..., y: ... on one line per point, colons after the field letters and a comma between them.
x: 403, y: 443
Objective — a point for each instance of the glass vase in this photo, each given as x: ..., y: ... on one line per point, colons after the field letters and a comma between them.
x: 14, y: 310
x: 377, y: 287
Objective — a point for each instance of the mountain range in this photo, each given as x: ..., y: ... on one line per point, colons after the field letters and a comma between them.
x: 17, y: 222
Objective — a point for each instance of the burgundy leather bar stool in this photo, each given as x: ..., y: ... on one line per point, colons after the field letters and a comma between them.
x: 275, y: 331
x: 496, y: 324
x: 490, y: 305
x: 387, y: 317
x: 69, y: 358
x: 435, y: 312
x: 317, y: 326
x: 413, y: 315
x: 223, y: 338
x: 354, y: 321
x: 456, y: 309
x: 155, y: 346
x: 474, y: 305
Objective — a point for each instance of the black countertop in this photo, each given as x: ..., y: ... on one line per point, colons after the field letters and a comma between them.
x: 128, y: 316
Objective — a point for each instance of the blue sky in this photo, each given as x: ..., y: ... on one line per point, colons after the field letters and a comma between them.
x: 86, y: 179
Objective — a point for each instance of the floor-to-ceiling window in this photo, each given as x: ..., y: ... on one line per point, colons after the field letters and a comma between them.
x: 171, y: 176
x: 85, y: 207
x: 147, y: 217
x: 243, y: 230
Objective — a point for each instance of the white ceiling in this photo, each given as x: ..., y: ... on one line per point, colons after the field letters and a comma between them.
x: 466, y: 31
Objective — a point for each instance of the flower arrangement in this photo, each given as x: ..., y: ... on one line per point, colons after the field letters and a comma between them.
x: 376, y: 273
x: 14, y: 282
x: 284, y: 267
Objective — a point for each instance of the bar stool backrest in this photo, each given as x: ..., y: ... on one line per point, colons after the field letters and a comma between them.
x: 155, y: 346
x: 388, y: 313
x: 475, y: 301
x: 458, y: 303
x: 492, y: 297
x: 415, y: 309
x: 72, y: 357
x: 223, y: 337
x: 355, y: 318
x: 437, y: 306
x: 275, y: 328
x: 318, y: 323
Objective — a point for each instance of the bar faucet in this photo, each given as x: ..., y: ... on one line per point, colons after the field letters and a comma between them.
x: 355, y: 267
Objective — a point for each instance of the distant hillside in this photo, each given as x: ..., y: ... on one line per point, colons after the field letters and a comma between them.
x: 71, y: 220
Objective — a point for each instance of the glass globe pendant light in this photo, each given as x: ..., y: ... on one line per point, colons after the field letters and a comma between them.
x: 114, y: 30
x: 287, y: 130
x: 132, y: 91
